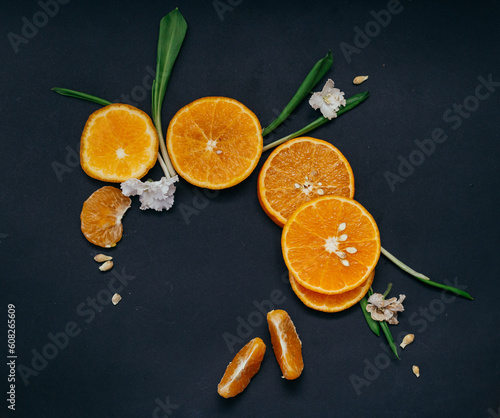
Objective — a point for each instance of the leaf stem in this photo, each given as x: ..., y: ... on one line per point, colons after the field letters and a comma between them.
x: 423, y: 278
x: 351, y: 103
x: 389, y: 287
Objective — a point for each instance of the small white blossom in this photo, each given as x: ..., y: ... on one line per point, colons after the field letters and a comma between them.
x: 385, y: 310
x: 157, y: 195
x: 328, y: 101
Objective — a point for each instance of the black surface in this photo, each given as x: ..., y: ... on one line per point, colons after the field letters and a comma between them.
x: 191, y: 282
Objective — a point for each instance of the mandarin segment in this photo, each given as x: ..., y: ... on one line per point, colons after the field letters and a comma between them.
x: 287, y: 346
x: 101, y: 216
x: 118, y: 142
x: 331, y: 244
x: 214, y: 142
x: 331, y: 303
x: 301, y: 170
x: 242, y: 368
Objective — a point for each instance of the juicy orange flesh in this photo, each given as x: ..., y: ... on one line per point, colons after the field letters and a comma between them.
x: 101, y: 216
x: 321, y: 270
x: 119, y: 145
x: 286, y: 344
x: 214, y: 142
x: 321, y: 164
x: 242, y: 368
x: 331, y: 303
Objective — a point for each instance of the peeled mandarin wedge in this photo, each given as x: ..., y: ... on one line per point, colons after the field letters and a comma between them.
x: 214, y: 142
x: 101, y: 217
x: 331, y: 303
x: 286, y: 344
x: 119, y: 142
x: 301, y: 170
x: 331, y: 244
x: 242, y: 368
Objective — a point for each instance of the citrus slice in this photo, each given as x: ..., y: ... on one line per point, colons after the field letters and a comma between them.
x: 301, y: 170
x: 331, y: 244
x: 214, y: 142
x: 242, y: 368
x: 119, y: 142
x: 102, y: 216
x: 286, y: 344
x: 331, y: 303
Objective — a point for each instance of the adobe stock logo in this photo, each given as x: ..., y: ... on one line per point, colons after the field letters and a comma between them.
x: 31, y: 27
x: 372, y: 29
x: 455, y: 116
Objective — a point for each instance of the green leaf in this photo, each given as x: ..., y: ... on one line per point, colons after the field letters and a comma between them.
x: 388, y: 336
x: 423, y: 278
x: 314, y: 76
x: 79, y: 95
x: 351, y: 103
x: 173, y: 30
x: 374, y: 325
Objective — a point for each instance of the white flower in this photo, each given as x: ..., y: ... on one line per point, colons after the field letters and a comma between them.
x: 157, y: 195
x: 328, y: 101
x: 385, y: 310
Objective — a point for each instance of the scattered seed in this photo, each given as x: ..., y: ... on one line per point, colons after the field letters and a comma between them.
x: 341, y: 254
x: 416, y: 371
x: 108, y: 265
x: 408, y: 339
x: 359, y: 79
x: 116, y: 298
x: 343, y: 237
x: 320, y: 184
x: 345, y: 263
x: 101, y: 258
x: 218, y: 151
x: 342, y: 226
x: 321, y: 192
x: 351, y: 250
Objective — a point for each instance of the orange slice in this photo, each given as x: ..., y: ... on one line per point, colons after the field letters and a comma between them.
x: 214, y: 142
x: 301, y: 170
x: 244, y: 366
x: 331, y: 303
x: 119, y: 142
x: 102, y: 214
x: 331, y: 244
x: 286, y: 344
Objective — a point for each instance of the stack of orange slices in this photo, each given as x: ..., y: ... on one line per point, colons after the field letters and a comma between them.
x: 330, y: 242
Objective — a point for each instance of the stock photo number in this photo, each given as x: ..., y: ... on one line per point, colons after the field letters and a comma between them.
x: 11, y: 356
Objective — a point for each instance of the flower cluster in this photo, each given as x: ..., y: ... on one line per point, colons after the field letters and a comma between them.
x: 157, y: 195
x: 381, y: 309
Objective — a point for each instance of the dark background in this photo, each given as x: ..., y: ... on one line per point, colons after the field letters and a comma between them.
x: 191, y: 278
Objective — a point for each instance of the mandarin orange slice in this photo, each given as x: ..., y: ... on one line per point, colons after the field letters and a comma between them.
x: 214, y: 142
x: 286, y: 344
x: 301, y: 170
x: 331, y: 244
x: 101, y: 216
x: 119, y: 142
x: 331, y: 303
x: 242, y: 368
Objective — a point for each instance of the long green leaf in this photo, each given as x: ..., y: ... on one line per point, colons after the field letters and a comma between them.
x: 80, y: 95
x: 351, y: 103
x: 173, y: 30
x: 388, y: 336
x: 314, y: 76
x: 374, y: 325
x: 422, y: 277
